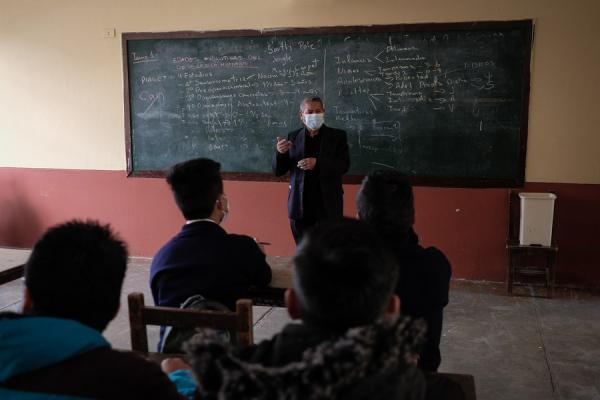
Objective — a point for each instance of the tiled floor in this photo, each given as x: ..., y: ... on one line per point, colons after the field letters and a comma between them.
x: 518, y: 347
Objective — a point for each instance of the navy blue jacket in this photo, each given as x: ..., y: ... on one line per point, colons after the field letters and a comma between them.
x: 204, y: 259
x: 423, y: 291
x: 333, y: 162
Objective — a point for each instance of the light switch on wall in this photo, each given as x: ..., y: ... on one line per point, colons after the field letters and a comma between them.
x: 109, y: 33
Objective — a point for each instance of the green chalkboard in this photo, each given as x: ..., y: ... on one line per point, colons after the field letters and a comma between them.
x: 445, y: 103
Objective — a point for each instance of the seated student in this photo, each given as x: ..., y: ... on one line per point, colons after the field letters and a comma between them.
x: 55, y: 349
x: 350, y: 344
x: 385, y: 201
x: 203, y: 259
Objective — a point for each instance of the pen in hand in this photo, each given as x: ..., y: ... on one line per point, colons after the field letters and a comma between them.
x: 261, y: 243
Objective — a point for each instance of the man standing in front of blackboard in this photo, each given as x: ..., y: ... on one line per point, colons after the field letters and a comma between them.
x: 316, y: 156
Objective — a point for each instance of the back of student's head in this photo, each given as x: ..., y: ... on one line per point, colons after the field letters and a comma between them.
x: 76, y: 271
x: 385, y: 201
x: 196, y: 185
x: 343, y: 276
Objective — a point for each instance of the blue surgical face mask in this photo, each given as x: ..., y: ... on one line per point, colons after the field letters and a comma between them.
x: 313, y: 121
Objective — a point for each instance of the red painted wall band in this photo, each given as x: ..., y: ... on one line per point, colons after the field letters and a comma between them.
x: 469, y: 225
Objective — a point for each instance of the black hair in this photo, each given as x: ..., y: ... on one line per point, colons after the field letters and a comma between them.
x: 196, y: 184
x: 385, y: 201
x: 76, y: 271
x: 343, y: 276
x: 310, y: 100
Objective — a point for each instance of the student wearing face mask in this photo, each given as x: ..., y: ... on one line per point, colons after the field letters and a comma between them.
x: 316, y: 157
x: 203, y: 259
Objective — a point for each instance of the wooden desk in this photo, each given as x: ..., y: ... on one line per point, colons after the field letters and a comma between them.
x: 11, y: 274
x: 281, y: 269
x: 281, y: 266
x: 11, y: 257
x: 11, y: 263
x: 466, y: 382
x: 12, y: 260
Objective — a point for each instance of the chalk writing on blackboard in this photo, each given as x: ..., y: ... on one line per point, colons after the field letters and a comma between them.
x: 442, y: 102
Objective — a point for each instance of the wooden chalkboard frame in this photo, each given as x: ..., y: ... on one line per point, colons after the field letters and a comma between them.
x: 526, y: 25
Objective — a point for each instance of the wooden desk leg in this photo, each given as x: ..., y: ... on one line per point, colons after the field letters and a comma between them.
x: 509, y: 275
x: 552, y: 268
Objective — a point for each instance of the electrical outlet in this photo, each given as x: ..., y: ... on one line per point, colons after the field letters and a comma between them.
x: 109, y: 33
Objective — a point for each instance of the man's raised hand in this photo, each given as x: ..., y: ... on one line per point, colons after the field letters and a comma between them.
x: 283, y: 145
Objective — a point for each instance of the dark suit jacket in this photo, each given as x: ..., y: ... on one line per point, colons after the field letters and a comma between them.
x: 333, y: 162
x: 204, y: 259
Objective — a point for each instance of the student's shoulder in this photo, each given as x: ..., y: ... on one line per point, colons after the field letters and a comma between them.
x: 8, y: 315
x: 162, y: 257
x: 119, y: 361
x: 435, y: 257
x: 115, y: 375
x: 169, y: 246
x: 436, y: 265
x: 242, y: 242
x: 285, y: 346
x: 133, y: 373
x: 179, y: 245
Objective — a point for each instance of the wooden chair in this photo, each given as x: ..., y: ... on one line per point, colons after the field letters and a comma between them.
x: 268, y: 296
x: 530, y: 262
x: 11, y: 274
x: 466, y: 382
x: 238, y: 323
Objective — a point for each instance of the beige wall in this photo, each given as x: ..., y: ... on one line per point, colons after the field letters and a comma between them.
x: 61, y: 96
